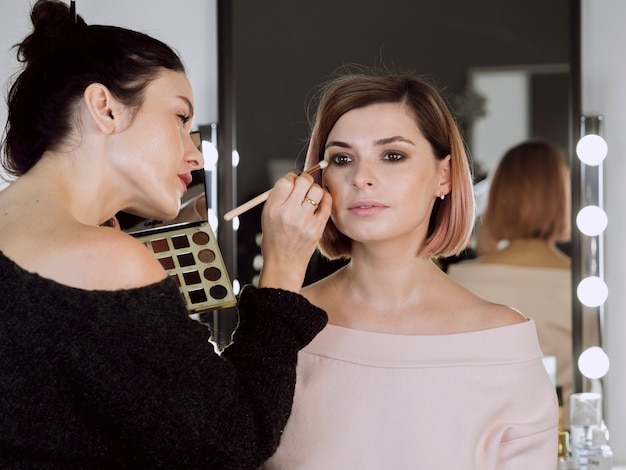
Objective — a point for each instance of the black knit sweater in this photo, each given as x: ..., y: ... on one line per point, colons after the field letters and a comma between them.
x: 124, y: 379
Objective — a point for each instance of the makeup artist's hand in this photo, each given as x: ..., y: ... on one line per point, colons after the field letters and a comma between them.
x: 294, y: 217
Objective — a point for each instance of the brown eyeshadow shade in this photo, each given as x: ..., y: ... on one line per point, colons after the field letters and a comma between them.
x: 167, y: 262
x: 192, y: 277
x: 212, y: 274
x: 186, y: 259
x: 180, y: 241
x: 175, y: 278
x: 160, y: 245
x: 206, y: 255
x: 197, y: 296
x: 200, y: 238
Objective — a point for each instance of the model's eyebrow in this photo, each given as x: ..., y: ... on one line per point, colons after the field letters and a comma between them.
x: 389, y: 140
x: 385, y: 141
x: 337, y: 143
x: 186, y: 100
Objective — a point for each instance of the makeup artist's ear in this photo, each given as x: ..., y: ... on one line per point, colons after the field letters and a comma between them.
x: 103, y: 108
x: 444, y: 176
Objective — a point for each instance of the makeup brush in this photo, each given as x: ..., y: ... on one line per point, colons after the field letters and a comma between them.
x: 246, y: 206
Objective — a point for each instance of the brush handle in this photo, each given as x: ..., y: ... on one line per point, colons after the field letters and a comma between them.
x: 246, y: 206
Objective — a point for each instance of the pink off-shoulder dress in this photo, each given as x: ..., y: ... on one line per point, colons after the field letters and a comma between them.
x: 479, y: 400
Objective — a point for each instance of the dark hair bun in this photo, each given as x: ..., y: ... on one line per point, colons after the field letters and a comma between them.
x: 53, y: 28
x: 60, y: 58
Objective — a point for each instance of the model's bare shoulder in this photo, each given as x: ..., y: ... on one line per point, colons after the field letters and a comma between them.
x: 497, y: 315
x: 476, y: 313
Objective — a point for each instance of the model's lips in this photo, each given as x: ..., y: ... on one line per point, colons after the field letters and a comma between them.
x: 366, y: 207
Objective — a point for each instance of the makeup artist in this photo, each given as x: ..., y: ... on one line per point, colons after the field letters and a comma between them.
x: 100, y: 365
x: 412, y: 370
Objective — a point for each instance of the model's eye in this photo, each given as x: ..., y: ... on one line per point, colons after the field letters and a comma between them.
x: 184, y: 118
x: 340, y: 159
x: 393, y: 156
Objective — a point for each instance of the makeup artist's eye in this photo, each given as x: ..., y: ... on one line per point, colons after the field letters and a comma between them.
x: 340, y: 159
x: 184, y: 118
x: 393, y: 156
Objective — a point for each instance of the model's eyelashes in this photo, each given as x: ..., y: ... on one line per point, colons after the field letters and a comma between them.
x: 392, y: 156
x: 340, y: 159
x: 184, y: 118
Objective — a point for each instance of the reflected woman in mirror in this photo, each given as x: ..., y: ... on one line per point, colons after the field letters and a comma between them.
x: 413, y: 370
x: 520, y: 264
x: 101, y: 366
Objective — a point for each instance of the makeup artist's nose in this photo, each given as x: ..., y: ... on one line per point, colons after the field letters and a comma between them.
x: 364, y: 174
x: 193, y: 157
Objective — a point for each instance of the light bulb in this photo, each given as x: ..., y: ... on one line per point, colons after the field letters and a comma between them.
x: 209, y: 151
x: 592, y: 291
x: 235, y: 158
x: 593, y: 363
x: 591, y: 149
x: 591, y: 220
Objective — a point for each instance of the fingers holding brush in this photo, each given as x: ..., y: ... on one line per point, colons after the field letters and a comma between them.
x: 261, y: 198
x: 293, y: 220
x: 298, y: 204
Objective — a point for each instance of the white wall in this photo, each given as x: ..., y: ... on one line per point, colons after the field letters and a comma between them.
x: 189, y: 26
x: 604, y: 92
x: 506, y: 119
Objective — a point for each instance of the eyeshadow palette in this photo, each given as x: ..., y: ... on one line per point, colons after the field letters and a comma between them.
x: 191, y: 257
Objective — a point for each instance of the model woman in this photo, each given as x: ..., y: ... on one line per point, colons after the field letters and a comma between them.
x: 413, y: 370
x: 101, y: 366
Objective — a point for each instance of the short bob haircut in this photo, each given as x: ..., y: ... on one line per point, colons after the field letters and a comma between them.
x: 451, y: 219
x: 528, y: 196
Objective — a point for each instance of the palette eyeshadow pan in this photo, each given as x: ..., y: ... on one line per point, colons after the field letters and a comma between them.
x: 191, y: 257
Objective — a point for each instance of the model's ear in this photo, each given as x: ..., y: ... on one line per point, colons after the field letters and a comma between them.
x: 444, y: 177
x: 103, y: 108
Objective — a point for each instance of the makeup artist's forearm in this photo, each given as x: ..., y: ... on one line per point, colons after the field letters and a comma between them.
x: 281, y: 276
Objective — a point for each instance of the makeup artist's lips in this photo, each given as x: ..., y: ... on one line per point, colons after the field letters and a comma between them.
x: 364, y: 208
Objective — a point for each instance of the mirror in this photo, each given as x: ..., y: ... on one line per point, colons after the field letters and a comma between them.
x: 282, y: 54
x: 462, y: 47
x: 507, y: 105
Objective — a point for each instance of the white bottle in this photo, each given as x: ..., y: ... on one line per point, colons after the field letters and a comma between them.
x: 588, y: 434
x: 604, y: 459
